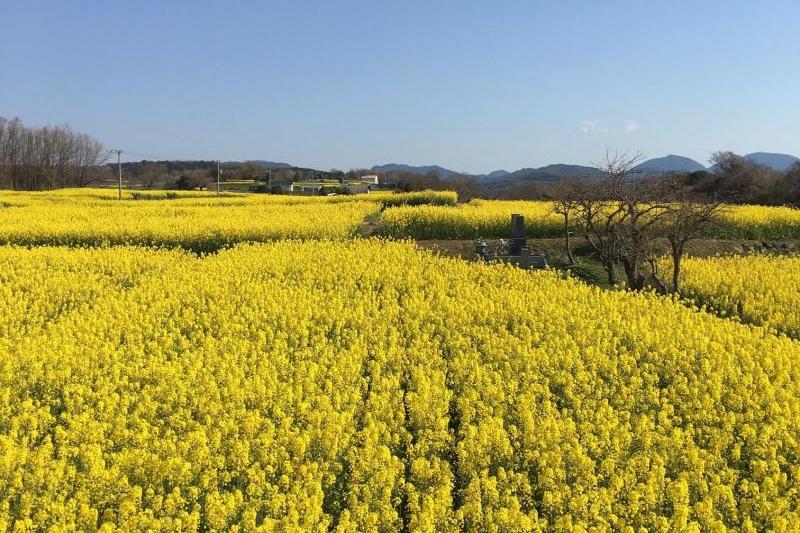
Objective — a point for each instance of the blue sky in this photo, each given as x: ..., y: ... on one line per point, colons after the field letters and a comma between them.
x: 473, y: 86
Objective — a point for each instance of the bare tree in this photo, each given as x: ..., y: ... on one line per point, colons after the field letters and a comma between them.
x: 682, y: 221
x: 199, y: 178
x: 614, y: 216
x: 787, y: 189
x: 566, y: 203
x: 48, y: 157
x: 622, y: 216
x: 150, y: 173
x: 741, y: 180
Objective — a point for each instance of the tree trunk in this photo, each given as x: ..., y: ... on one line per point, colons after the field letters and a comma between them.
x: 567, y: 246
x: 677, y: 255
x: 660, y: 286
x: 612, y: 276
x: 635, y: 279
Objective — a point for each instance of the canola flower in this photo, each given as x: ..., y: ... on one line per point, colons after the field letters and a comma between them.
x: 369, y: 386
x: 393, y: 199
x: 102, y: 193
x: 758, y: 289
x: 759, y: 222
x: 491, y: 218
x: 198, y: 227
x: 196, y: 220
x: 387, y: 198
x: 478, y: 218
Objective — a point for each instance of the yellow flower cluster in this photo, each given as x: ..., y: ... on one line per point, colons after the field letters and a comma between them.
x: 368, y: 386
x: 759, y: 289
x: 390, y: 199
x: 98, y: 193
x: 759, y: 222
x: 478, y: 218
x: 195, y: 227
x: 387, y: 198
x: 199, y: 223
x: 491, y: 218
x: 195, y: 220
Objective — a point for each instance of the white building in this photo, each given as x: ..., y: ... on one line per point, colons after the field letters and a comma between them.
x: 305, y: 187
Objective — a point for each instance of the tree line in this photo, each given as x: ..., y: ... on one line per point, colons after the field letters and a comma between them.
x: 739, y: 180
x: 203, y: 174
x: 42, y: 158
x: 732, y: 178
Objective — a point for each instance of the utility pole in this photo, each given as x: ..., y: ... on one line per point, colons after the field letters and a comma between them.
x: 119, y: 167
x: 218, y: 172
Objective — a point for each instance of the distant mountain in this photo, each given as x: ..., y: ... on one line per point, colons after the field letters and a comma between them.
x: 669, y: 163
x: 562, y: 170
x: 552, y: 173
x: 549, y: 173
x: 781, y: 162
x: 494, y: 175
x: 421, y: 170
x: 269, y: 164
x: 501, y: 179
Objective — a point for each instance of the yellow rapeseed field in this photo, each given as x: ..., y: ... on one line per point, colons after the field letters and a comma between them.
x: 99, y: 193
x: 368, y: 386
x: 759, y: 289
x: 83, y: 195
x: 196, y: 226
x: 759, y: 222
x: 491, y: 218
x: 196, y: 220
x: 478, y: 218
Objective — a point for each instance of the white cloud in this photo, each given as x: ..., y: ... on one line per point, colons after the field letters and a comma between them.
x: 593, y: 126
x: 631, y: 126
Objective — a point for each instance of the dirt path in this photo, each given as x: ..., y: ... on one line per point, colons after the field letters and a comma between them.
x: 371, y: 227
